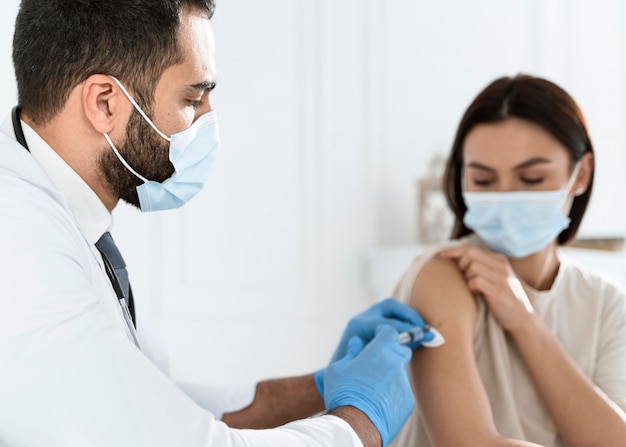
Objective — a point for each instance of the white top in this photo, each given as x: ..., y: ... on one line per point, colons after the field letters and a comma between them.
x: 70, y: 375
x: 584, y: 310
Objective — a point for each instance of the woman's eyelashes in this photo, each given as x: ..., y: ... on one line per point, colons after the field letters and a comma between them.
x: 482, y: 182
x: 519, y: 182
x: 532, y: 180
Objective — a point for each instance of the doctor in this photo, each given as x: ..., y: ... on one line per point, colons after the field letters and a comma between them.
x: 115, y: 104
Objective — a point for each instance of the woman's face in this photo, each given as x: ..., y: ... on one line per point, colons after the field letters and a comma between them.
x: 516, y: 155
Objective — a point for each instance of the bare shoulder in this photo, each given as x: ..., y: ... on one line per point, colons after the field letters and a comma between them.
x: 441, y: 295
x: 449, y: 392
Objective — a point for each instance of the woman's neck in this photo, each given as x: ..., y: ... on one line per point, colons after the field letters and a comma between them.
x: 539, y: 269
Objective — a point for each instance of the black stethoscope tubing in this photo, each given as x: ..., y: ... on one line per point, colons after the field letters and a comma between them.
x: 19, y: 135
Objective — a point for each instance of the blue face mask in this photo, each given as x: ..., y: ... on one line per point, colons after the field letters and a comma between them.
x: 192, y: 153
x: 518, y: 223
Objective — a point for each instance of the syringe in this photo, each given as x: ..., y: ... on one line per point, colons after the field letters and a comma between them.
x: 412, y: 335
x: 417, y: 335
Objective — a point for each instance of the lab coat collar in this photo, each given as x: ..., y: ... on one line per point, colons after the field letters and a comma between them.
x: 93, y: 218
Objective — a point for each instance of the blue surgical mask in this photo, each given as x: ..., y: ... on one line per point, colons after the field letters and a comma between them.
x: 518, y: 223
x: 192, y: 153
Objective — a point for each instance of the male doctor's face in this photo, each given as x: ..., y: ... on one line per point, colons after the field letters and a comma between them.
x: 181, y: 96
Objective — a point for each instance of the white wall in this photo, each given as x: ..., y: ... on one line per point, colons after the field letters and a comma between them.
x: 329, y: 112
x: 8, y: 90
x: 440, y: 54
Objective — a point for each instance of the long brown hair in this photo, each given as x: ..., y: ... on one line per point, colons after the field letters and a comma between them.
x: 532, y: 99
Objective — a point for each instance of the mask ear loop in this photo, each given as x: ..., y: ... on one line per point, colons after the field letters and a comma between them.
x: 573, y: 179
x: 148, y: 120
x: 463, y: 180
x: 139, y: 109
x: 568, y: 199
x: 121, y: 159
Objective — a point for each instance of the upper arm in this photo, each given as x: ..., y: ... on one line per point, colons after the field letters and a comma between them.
x: 449, y: 391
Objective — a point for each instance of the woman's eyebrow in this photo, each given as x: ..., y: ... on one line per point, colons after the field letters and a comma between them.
x: 480, y: 166
x: 523, y: 165
x: 532, y: 162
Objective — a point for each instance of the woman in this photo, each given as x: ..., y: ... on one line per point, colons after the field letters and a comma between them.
x: 535, y: 350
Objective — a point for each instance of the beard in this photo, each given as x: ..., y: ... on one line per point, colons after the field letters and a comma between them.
x: 145, y: 151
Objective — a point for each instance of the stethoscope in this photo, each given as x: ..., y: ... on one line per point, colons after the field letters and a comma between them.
x: 115, y: 282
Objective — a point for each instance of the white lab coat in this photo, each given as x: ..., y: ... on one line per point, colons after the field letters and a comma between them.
x: 69, y: 374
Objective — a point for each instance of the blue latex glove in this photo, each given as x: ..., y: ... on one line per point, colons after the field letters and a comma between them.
x: 373, y: 378
x: 388, y: 312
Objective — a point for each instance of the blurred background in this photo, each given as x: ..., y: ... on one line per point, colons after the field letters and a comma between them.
x: 335, y: 116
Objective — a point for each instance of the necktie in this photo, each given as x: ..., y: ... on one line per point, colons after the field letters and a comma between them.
x: 109, y: 250
x: 110, y: 254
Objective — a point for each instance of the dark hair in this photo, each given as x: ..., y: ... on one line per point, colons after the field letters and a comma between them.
x: 533, y: 99
x: 58, y: 44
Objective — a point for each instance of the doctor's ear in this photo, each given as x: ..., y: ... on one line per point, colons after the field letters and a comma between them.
x: 104, y: 104
x: 584, y: 174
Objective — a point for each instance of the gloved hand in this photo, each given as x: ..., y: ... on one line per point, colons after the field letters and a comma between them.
x: 374, y: 379
x: 387, y: 312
